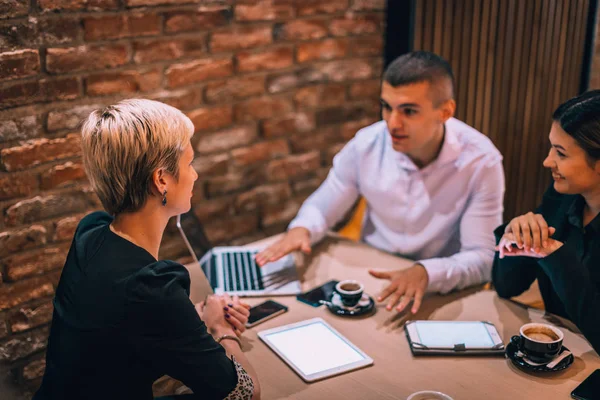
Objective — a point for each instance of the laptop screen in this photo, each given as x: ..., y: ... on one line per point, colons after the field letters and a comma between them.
x: 194, y: 231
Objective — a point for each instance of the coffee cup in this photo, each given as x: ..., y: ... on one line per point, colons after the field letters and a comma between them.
x: 540, y: 343
x: 350, y: 292
x: 428, y: 395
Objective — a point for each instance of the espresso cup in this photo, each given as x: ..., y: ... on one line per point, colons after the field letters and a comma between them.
x: 428, y: 395
x: 539, y: 342
x: 350, y: 292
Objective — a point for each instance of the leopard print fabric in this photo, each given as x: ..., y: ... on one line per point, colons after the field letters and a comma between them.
x: 245, y: 387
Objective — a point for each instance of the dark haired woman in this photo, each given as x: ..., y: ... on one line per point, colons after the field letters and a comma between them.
x: 559, y: 243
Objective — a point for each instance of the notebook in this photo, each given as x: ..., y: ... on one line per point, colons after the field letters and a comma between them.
x: 233, y: 269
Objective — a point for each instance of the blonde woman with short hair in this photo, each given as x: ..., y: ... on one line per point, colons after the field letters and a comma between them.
x: 122, y: 318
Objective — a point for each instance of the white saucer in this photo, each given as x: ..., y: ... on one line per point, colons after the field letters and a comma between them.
x: 337, y: 300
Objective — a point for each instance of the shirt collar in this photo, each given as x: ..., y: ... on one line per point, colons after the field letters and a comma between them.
x: 449, y: 153
x: 575, y: 215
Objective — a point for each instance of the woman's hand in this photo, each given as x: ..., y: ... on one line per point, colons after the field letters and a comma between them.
x: 528, y: 235
x: 212, y: 313
x: 236, y: 313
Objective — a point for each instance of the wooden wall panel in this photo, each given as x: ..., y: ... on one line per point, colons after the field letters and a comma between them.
x: 515, y: 61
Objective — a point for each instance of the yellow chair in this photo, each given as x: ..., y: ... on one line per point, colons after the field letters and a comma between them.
x: 352, y: 228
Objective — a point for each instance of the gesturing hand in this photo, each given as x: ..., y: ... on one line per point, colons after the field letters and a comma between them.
x: 409, y: 284
x: 528, y: 235
x: 295, y: 239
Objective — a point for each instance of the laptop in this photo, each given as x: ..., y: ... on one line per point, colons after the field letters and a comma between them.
x: 232, y: 269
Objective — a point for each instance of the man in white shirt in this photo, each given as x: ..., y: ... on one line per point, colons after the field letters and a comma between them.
x: 434, y: 187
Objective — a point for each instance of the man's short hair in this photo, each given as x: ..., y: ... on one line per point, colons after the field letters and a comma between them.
x: 422, y: 66
x: 125, y: 143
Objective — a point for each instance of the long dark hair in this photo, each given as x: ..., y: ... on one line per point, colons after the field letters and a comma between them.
x: 580, y: 118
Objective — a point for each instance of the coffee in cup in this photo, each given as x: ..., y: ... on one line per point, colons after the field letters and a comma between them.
x: 539, y: 342
x: 428, y: 395
x: 350, y: 292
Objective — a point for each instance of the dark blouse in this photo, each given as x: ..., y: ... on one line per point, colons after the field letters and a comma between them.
x: 569, y: 278
x: 121, y: 320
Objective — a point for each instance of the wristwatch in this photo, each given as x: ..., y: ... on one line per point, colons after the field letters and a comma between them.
x: 231, y: 337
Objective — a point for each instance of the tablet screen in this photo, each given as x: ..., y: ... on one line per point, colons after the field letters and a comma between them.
x: 313, y: 348
x: 447, y: 334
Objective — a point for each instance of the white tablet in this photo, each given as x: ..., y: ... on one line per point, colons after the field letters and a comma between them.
x: 314, y: 350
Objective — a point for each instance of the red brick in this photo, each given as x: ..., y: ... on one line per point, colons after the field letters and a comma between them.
x: 13, y: 8
x: 21, y: 346
x: 181, y: 99
x: 39, y: 208
x: 120, y: 26
x: 345, y: 70
x: 23, y: 291
x: 70, y: 118
x: 38, y: 151
x: 260, y: 152
x: 34, y: 263
x: 157, y: 50
x: 364, y: 46
x: 185, y: 21
x: 129, y: 81
x: 311, y: 7
x: 292, y: 123
x: 365, y: 89
x: 337, y: 115
x: 363, y: 5
x: 226, y: 229
x: 226, y: 140
x: 263, y: 11
x: 207, y: 209
x: 30, y: 317
x: 76, y: 5
x: 207, y: 166
x: 14, y: 241
x: 17, y: 185
x: 88, y: 57
x: 271, y: 59
x: 303, y: 29
x: 235, y: 182
x: 320, y: 96
x: 293, y: 166
x: 349, y: 129
x: 43, y: 90
x: 3, y: 330
x: 65, y: 228
x: 34, y: 369
x: 355, y: 24
x: 264, y: 194
x: 262, y: 108
x: 290, y: 80
x: 324, y: 50
x: 62, y: 175
x: 308, y: 186
x: 19, y: 128
x: 235, y: 88
x: 240, y: 38
x: 19, y: 64
x: 282, y: 213
x: 197, y: 71
x: 138, y: 3
x: 318, y: 140
x: 38, y: 32
x: 206, y: 119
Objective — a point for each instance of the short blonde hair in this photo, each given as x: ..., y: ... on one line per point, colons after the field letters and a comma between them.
x: 125, y: 143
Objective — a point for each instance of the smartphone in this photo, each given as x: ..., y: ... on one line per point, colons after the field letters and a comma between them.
x: 323, y: 292
x: 589, y: 389
x: 264, y: 311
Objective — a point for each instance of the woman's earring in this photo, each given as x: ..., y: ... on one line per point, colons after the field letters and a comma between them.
x: 164, y: 199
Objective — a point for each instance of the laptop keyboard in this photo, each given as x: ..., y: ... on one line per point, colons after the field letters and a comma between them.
x: 240, y: 271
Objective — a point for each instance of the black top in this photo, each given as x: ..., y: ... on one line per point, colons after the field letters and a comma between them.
x: 569, y: 278
x: 121, y: 320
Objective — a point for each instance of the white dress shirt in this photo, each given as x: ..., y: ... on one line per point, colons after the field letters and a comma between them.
x: 442, y: 215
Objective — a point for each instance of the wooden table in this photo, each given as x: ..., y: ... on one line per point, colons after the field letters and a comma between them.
x: 396, y: 373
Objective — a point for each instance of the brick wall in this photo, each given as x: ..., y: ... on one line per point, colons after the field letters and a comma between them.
x: 595, y: 71
x: 274, y: 89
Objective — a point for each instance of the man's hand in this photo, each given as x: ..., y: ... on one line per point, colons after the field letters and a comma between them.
x: 295, y: 239
x: 409, y: 284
